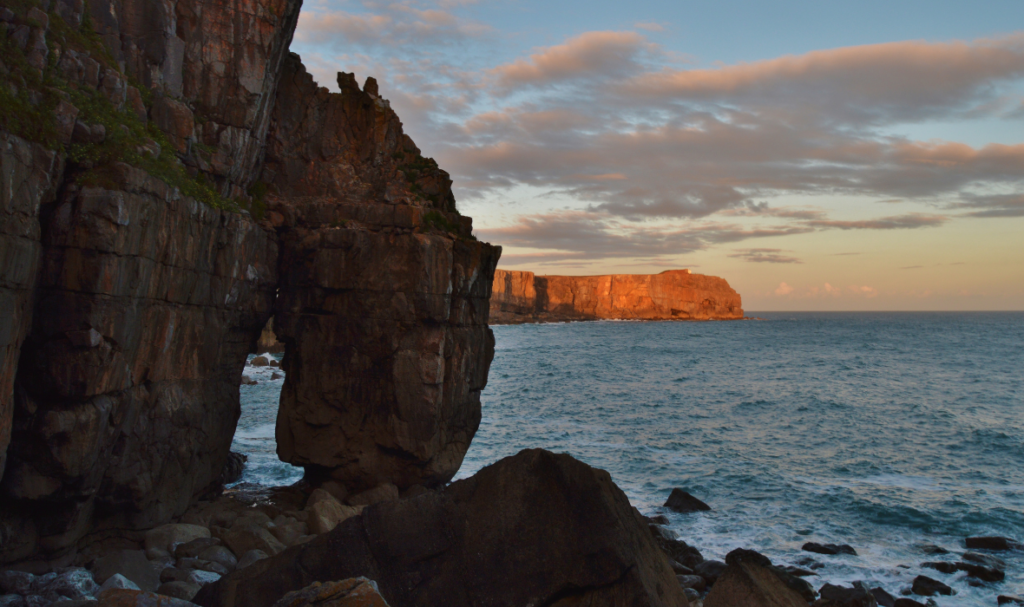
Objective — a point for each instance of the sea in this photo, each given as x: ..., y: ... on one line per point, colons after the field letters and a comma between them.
x: 884, y: 431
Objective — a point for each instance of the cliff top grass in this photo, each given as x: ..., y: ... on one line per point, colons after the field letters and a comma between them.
x: 29, y: 100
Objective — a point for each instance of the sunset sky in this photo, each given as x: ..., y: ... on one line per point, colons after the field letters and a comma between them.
x: 817, y: 155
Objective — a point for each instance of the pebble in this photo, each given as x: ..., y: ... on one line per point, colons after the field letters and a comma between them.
x: 829, y: 549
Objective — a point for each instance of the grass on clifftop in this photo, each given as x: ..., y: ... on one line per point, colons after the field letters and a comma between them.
x: 28, y: 103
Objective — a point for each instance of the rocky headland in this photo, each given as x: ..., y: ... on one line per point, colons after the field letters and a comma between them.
x: 171, y: 179
x: 519, y: 297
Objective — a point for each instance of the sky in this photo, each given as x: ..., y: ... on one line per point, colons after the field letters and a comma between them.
x: 817, y: 155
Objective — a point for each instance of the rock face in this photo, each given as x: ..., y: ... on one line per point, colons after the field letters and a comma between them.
x: 129, y: 307
x: 533, y: 529
x: 383, y: 307
x: 672, y: 295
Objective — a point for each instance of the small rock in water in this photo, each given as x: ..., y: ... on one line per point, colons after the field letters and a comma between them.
x: 276, y: 375
x: 809, y: 562
x: 926, y: 586
x: 985, y: 559
x: 274, y: 363
x: 1009, y: 599
x: 681, y: 501
x: 248, y: 381
x: 838, y: 596
x: 797, y: 571
x: 659, y: 519
x: 829, y: 549
x: 908, y: 603
x: 981, y: 572
x: 883, y: 598
x: 993, y: 543
x: 941, y: 567
x: 933, y: 549
x: 260, y: 361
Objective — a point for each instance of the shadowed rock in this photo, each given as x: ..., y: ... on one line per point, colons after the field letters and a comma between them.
x: 532, y: 529
x: 681, y: 501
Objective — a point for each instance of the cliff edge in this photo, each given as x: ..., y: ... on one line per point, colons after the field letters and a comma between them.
x: 519, y: 297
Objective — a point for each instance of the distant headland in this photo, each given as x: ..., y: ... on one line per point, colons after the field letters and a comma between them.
x: 522, y: 297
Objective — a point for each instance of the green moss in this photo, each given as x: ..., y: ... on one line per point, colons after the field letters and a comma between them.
x: 28, y: 111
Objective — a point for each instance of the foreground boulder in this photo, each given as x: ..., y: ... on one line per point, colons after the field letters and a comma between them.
x: 750, y: 580
x: 533, y: 529
x: 354, y: 592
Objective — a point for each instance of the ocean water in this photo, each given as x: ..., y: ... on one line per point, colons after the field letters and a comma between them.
x: 884, y: 431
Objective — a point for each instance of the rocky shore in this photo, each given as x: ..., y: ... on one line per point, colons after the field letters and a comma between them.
x: 523, y: 297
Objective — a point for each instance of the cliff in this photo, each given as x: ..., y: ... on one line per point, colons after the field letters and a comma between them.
x: 672, y: 295
x: 170, y: 178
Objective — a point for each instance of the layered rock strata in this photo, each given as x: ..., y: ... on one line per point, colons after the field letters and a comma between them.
x: 384, y: 304
x: 671, y: 295
x: 533, y: 529
x: 130, y: 307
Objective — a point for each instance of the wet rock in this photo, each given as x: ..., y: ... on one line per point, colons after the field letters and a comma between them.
x: 941, y: 567
x: 260, y: 361
x: 809, y: 563
x: 274, y: 376
x: 274, y: 363
x: 926, y: 586
x: 325, y: 512
x: 132, y: 564
x: 354, y: 592
x: 797, y: 571
x: 251, y: 557
x: 248, y: 381
x: 524, y: 529
x: 933, y: 549
x: 750, y: 580
x: 883, y: 598
x: 985, y: 559
x: 1009, y: 599
x: 234, y: 467
x: 195, y: 547
x: 118, y: 581
x: 16, y: 582
x: 993, y: 543
x: 905, y: 602
x: 220, y: 554
x: 710, y: 570
x: 658, y: 519
x: 839, y: 596
x: 385, y: 492
x: 692, y: 581
x: 681, y: 501
x: 169, y: 537
x: 981, y: 572
x: 138, y: 598
x: 246, y: 536
x: 202, y: 578
x: 829, y: 549
x: 185, y: 591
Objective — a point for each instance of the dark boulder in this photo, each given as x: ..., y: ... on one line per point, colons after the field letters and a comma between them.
x: 678, y: 550
x: 993, y: 543
x: 932, y: 549
x: 682, y: 501
x: 750, y: 580
x: 926, y: 586
x: 536, y: 528
x: 1007, y: 599
x: 981, y: 572
x: 839, y: 596
x: 829, y: 549
x: 883, y: 598
x: 710, y: 570
x: 985, y: 559
x: 905, y: 602
x: 941, y: 567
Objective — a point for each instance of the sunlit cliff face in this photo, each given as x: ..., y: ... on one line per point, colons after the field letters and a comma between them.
x: 834, y: 160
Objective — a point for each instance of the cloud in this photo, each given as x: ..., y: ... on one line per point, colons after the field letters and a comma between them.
x: 866, y: 291
x: 901, y: 222
x: 600, y: 54
x: 764, y: 256
x: 650, y: 26
x: 993, y: 205
x: 783, y: 289
x: 387, y: 23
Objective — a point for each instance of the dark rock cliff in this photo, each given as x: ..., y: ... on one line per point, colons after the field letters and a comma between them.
x: 135, y: 139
